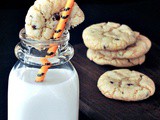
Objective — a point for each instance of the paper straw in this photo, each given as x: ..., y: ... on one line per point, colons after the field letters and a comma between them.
x: 57, y: 34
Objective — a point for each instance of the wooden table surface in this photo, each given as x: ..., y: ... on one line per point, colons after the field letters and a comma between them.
x: 97, y: 107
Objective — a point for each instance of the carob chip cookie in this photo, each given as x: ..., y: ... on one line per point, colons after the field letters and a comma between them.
x: 44, y: 15
x: 140, y: 48
x: 101, y: 59
x: 126, y: 85
x: 108, y: 36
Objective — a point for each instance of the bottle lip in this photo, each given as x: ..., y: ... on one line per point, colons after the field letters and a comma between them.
x: 65, y: 38
x: 30, y: 51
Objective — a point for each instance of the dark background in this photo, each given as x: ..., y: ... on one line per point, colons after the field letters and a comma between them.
x: 140, y: 15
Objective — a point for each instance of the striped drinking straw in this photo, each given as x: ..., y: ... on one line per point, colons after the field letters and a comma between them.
x: 53, y: 48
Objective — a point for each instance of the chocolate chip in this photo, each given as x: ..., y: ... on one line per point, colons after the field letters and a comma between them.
x: 126, y: 48
x: 129, y: 84
x: 128, y: 60
x: 147, y: 95
x: 132, y: 45
x: 122, y: 92
x: 56, y: 16
x: 141, y: 76
x: 104, y: 47
x: 23, y: 33
x: 111, y: 82
x: 116, y: 39
x: 34, y: 27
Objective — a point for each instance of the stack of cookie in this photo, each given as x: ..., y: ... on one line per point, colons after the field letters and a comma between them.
x: 114, y: 44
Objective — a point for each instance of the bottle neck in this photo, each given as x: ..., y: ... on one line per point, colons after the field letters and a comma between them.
x: 31, y: 51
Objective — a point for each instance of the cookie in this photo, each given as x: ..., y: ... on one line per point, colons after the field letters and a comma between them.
x: 108, y: 36
x: 126, y: 85
x: 101, y: 59
x: 141, y: 47
x: 44, y: 15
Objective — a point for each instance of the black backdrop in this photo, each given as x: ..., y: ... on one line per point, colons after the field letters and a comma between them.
x: 27, y: 3
x: 140, y: 15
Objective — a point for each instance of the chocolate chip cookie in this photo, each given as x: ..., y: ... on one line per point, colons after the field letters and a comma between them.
x: 101, y: 59
x: 126, y: 85
x: 108, y: 36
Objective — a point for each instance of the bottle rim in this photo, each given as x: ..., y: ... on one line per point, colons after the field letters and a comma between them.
x: 30, y: 51
x: 65, y: 38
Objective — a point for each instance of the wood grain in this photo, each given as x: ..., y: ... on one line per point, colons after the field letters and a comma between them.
x: 97, y: 107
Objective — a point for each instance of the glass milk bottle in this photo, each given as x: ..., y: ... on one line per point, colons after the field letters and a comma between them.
x: 57, y: 98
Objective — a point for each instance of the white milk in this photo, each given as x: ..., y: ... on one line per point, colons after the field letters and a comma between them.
x: 57, y: 98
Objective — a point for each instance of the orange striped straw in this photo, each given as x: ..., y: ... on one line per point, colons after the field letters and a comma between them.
x: 53, y: 48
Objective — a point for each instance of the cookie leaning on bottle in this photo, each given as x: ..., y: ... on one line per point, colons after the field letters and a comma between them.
x: 43, y: 17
